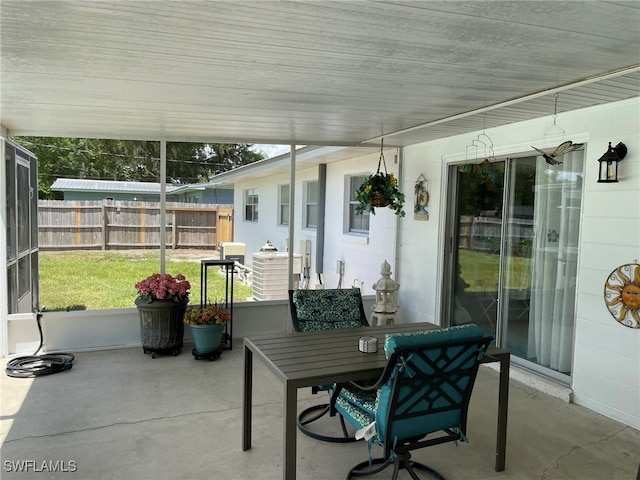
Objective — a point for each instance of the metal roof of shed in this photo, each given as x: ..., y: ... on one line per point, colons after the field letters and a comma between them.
x: 84, y: 185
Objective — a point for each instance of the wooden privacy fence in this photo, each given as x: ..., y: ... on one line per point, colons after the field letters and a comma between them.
x: 115, y: 224
x: 485, y: 234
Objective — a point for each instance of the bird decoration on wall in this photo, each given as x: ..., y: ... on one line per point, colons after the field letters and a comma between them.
x: 421, y: 199
x: 562, y: 149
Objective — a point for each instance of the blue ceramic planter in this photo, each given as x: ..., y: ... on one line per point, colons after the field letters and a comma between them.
x: 207, y: 337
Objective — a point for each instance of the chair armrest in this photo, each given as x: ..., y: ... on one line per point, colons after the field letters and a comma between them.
x: 370, y: 385
x: 367, y: 387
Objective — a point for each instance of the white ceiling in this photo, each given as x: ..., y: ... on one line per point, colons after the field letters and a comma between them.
x: 310, y: 73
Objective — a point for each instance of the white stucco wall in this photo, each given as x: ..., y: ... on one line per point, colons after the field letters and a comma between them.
x: 362, y: 254
x: 255, y: 234
x: 606, y: 367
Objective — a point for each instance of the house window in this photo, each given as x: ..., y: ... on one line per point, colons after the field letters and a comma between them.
x: 283, y: 212
x: 311, y: 205
x: 251, y: 205
x: 357, y: 223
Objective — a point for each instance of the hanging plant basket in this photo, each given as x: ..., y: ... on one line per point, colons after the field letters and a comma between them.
x: 379, y: 199
x: 380, y: 189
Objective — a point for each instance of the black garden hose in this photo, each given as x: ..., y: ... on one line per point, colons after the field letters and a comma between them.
x: 36, y: 365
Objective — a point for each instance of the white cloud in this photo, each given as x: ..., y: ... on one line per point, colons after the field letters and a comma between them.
x: 271, y: 150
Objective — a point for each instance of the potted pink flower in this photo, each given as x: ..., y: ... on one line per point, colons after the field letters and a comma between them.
x: 163, y: 287
x: 162, y: 300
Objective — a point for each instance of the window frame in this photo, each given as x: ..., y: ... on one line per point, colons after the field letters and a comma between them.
x: 310, y: 203
x: 283, y: 204
x: 351, y: 203
x: 251, y: 204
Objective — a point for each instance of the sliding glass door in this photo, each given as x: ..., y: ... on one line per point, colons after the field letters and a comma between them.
x: 513, y: 229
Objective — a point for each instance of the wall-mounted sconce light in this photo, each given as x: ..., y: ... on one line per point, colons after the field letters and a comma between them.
x: 609, y: 163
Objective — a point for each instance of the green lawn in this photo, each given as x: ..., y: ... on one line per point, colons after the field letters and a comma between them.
x: 480, y: 271
x: 96, y: 280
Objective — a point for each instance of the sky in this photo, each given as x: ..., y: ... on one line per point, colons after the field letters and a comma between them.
x: 271, y: 150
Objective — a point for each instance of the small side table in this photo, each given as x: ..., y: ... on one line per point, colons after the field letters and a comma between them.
x: 227, y: 265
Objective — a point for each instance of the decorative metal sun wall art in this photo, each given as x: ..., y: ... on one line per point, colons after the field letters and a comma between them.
x: 622, y: 294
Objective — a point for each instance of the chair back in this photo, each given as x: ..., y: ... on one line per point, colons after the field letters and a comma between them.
x: 330, y: 309
x: 430, y: 376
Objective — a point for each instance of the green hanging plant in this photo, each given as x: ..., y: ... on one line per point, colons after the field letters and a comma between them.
x: 380, y: 189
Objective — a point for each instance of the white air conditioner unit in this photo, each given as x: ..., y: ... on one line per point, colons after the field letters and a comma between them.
x: 270, y: 274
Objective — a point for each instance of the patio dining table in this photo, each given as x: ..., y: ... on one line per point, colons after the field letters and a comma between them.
x: 306, y: 359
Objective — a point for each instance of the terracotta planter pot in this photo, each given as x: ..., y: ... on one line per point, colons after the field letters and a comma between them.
x: 161, y: 327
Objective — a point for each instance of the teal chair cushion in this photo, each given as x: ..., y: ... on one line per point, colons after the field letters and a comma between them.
x: 437, y: 421
x: 366, y: 401
x: 362, y: 408
x: 357, y: 414
x: 429, y: 337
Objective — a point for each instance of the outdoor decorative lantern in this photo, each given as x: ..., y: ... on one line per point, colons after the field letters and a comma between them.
x: 386, y: 306
x: 609, y: 163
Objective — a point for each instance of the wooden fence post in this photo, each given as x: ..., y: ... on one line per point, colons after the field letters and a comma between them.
x: 174, y: 230
x: 103, y: 230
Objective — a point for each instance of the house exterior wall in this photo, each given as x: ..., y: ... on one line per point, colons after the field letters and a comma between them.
x: 221, y: 196
x: 212, y: 196
x: 125, y: 196
x: 125, y: 191
x: 606, y: 358
x: 361, y: 254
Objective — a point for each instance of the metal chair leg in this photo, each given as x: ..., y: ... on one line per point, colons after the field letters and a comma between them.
x: 304, y: 419
x: 399, y: 462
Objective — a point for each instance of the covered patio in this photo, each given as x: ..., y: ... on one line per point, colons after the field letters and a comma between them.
x: 118, y: 414
x: 346, y: 74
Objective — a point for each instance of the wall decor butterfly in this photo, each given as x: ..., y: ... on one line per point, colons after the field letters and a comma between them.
x: 563, y: 148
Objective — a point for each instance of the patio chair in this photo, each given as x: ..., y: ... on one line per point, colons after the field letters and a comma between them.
x: 321, y: 310
x: 420, y: 400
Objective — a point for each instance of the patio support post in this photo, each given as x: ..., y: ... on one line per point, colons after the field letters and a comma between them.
x: 163, y: 203
x: 292, y: 191
x: 290, y: 430
x: 4, y: 307
x: 503, y: 407
x: 247, y: 397
x: 400, y: 158
x: 322, y: 189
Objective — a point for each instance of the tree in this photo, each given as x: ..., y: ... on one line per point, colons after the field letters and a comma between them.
x: 131, y: 160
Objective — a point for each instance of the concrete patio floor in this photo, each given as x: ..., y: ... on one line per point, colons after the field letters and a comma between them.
x: 119, y: 414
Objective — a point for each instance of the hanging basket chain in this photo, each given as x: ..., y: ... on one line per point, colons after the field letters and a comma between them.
x: 379, y: 197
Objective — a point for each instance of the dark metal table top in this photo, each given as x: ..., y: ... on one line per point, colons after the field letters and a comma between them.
x: 308, y: 359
